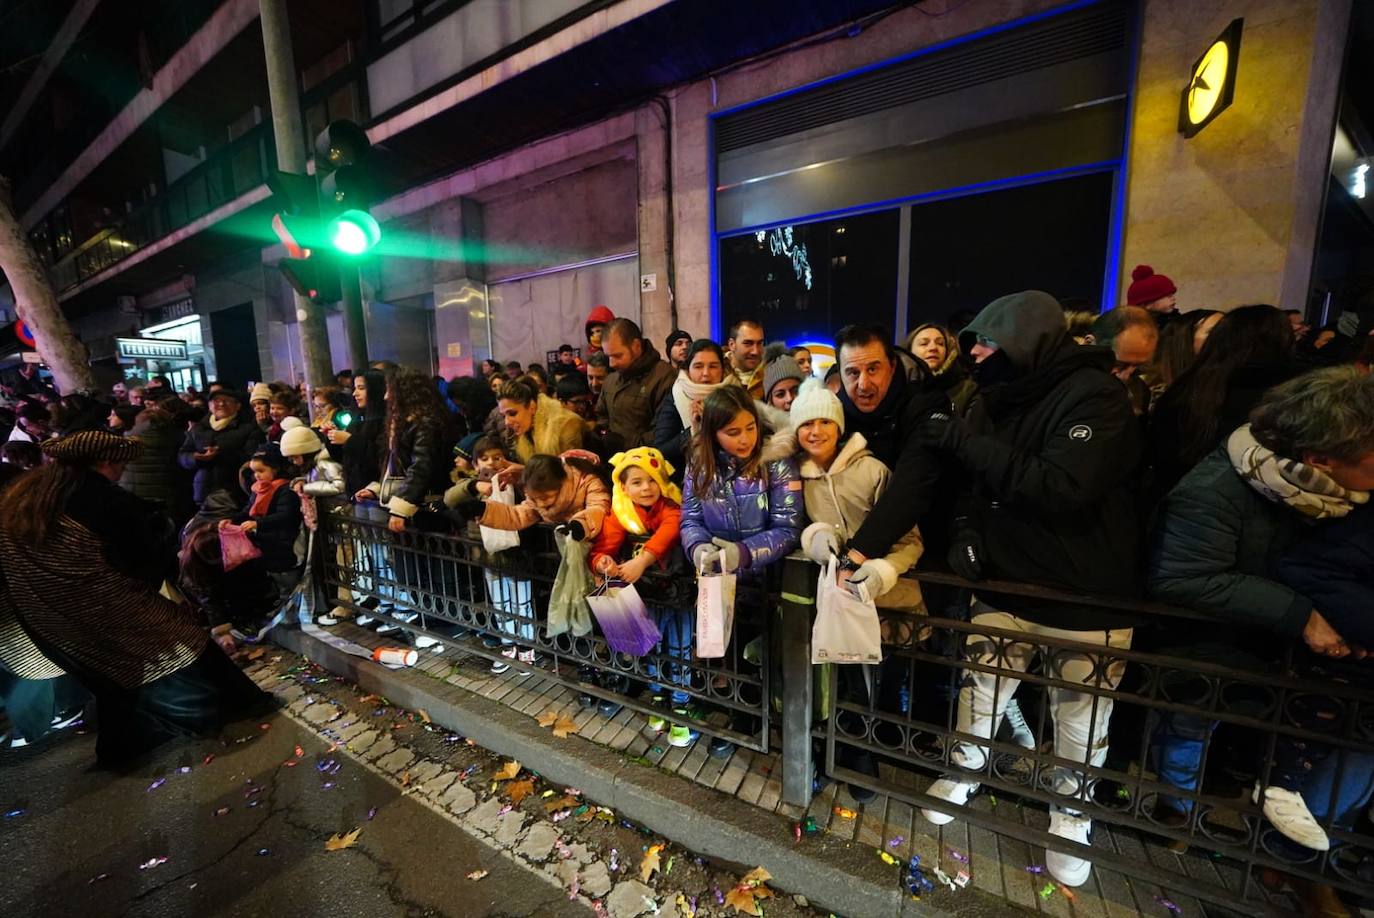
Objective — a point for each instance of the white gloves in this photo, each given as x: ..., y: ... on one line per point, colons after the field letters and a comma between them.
x: 820, y: 541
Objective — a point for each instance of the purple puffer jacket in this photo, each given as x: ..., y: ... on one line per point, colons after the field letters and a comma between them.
x: 765, y: 515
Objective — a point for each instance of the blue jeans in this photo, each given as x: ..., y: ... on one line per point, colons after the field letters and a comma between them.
x: 676, y: 627
x: 1177, y: 750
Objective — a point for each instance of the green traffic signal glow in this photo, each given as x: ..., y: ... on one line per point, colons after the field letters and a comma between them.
x: 354, y: 232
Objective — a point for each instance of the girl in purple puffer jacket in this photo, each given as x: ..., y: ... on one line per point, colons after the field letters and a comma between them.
x: 741, y: 510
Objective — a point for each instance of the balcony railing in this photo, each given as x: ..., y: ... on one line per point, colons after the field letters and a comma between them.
x: 239, y: 167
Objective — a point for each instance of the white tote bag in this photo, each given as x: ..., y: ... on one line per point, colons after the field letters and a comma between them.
x: 846, y: 629
x: 715, y: 613
x: 494, y: 540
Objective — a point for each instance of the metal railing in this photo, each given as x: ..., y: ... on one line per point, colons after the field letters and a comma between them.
x: 1179, y: 740
x: 444, y: 585
x: 1235, y: 716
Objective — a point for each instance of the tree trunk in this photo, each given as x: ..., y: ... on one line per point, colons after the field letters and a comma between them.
x: 37, y: 304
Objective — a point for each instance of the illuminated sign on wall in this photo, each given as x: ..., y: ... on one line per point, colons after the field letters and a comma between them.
x: 1212, y: 83
x: 150, y: 349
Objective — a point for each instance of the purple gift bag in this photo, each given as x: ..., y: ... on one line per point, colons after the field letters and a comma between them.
x: 623, y: 618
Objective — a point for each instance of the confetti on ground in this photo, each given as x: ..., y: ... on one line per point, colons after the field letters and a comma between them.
x: 845, y: 812
x: 961, y: 879
x: 300, y: 753
x: 184, y: 770
x: 895, y: 843
x: 264, y: 727
x: 477, y: 874
x: 887, y: 858
x: 1036, y: 868
x: 263, y: 852
x: 156, y: 784
x: 208, y: 759
x: 15, y: 814
x: 222, y: 811
x: 152, y: 862
x: 1047, y: 890
x: 372, y: 811
x: 1172, y: 907
x: 97, y: 878
x: 961, y: 858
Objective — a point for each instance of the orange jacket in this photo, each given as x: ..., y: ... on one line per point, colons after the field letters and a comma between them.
x: 662, y: 520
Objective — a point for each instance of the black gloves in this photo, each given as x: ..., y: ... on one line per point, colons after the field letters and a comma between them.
x: 467, y: 510
x: 573, y: 530
x: 942, y: 430
x: 966, y: 550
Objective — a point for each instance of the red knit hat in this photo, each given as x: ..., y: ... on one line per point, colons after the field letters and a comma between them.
x: 1147, y: 286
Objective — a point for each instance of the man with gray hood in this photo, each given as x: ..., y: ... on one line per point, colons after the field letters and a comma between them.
x: 1050, y: 447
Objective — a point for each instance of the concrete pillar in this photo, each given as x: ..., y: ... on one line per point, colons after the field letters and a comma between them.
x: 655, y: 307
x: 291, y: 157
x: 1232, y: 215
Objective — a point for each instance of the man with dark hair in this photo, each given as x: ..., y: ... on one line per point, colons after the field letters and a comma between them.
x: 598, y: 368
x: 639, y: 382
x: 514, y: 370
x: 1132, y: 334
x: 675, y: 348
x: 159, y: 384
x: 344, y: 379
x: 886, y: 394
x: 744, y: 351
x: 574, y: 394
x: 1050, y: 448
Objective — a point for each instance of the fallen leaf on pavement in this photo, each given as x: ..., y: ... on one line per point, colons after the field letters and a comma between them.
x: 561, y: 803
x: 342, y: 840
x: 745, y: 897
x: 509, y: 772
x: 519, y: 790
x: 564, y: 726
x: 405, y: 778
x: 547, y: 718
x: 757, y: 877
x: 649, y: 865
x: 256, y: 653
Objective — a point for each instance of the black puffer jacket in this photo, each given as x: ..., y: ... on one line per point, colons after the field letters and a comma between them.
x: 156, y: 474
x: 416, y: 466
x: 1332, y: 564
x: 891, y: 432
x: 1052, y: 454
x: 276, y: 532
x: 237, y: 442
x: 359, y: 454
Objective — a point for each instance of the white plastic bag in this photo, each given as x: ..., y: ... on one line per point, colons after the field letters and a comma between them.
x: 715, y: 613
x: 494, y: 540
x: 846, y: 629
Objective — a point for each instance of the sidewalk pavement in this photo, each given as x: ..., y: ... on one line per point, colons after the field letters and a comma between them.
x: 730, y: 810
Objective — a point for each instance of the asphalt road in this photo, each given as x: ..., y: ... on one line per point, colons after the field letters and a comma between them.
x: 78, y: 845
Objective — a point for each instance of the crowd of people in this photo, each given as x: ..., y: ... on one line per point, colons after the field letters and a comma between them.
x: 1218, y: 461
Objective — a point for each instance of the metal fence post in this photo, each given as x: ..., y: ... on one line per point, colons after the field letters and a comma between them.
x: 798, y: 602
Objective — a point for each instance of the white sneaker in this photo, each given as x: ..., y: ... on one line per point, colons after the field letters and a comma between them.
x: 500, y: 666
x: 362, y: 621
x: 953, y: 790
x: 425, y: 642
x: 1288, y: 812
x: 326, y: 620
x: 1067, y: 868
x: 64, y: 719
x: 1015, y: 721
x: 388, y: 628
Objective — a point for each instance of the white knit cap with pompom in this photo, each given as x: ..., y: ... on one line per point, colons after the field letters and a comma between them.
x: 814, y: 401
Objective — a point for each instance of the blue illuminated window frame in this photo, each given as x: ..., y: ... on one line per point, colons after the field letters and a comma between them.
x: 1117, y: 166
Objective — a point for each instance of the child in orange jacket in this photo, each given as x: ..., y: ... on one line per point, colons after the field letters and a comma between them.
x: 640, y: 534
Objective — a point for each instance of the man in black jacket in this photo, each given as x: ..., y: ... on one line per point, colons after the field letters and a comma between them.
x: 218, y: 446
x: 1050, y: 447
x: 887, y: 394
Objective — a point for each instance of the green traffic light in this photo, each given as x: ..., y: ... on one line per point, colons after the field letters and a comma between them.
x: 354, y: 232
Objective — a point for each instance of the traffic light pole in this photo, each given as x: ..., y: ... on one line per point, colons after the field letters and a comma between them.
x: 286, y: 128
x: 352, y: 303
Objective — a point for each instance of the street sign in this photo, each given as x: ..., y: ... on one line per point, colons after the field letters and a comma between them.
x: 150, y: 349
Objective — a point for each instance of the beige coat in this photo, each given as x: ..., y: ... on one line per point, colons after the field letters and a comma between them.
x: 556, y: 430
x: 841, y: 497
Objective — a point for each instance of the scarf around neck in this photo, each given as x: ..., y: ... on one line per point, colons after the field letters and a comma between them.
x: 218, y: 424
x: 1307, y: 490
x: 263, y: 492
x: 685, y: 392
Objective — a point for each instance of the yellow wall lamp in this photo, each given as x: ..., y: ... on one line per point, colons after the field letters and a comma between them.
x: 1212, y: 83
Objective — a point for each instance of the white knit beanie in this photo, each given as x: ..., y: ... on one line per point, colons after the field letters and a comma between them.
x: 814, y: 401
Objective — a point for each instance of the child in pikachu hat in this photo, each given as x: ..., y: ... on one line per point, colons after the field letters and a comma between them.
x: 640, y: 533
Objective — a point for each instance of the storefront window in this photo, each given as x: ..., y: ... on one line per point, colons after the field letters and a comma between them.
x: 805, y: 280
x: 967, y: 251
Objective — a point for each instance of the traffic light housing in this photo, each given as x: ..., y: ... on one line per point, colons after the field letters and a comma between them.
x: 308, y: 268
x: 349, y: 185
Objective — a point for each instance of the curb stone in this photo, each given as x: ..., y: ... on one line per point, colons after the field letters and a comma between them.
x: 849, y: 881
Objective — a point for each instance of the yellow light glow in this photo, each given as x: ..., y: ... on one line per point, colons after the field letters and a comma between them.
x: 1208, y: 81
